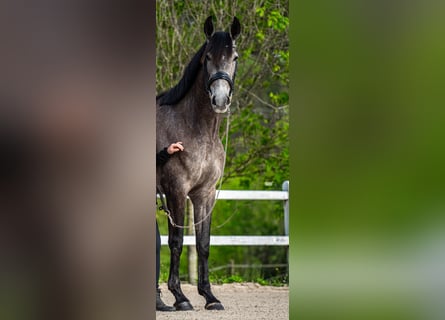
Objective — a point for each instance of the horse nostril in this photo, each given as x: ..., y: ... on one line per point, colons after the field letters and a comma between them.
x: 214, y: 100
x: 228, y: 100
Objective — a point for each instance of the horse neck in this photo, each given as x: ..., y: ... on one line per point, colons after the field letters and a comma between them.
x: 198, y: 110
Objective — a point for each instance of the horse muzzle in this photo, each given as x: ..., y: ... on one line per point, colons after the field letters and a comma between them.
x: 220, y: 89
x: 220, y: 103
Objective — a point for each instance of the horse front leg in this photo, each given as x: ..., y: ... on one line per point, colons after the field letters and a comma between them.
x: 175, y: 241
x: 202, y: 210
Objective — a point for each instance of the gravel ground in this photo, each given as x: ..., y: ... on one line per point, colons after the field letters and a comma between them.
x: 242, y: 301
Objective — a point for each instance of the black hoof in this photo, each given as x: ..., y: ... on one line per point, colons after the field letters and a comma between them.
x: 183, y: 306
x: 214, y: 306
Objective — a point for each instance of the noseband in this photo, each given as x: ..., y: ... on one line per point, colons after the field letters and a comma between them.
x: 220, y: 75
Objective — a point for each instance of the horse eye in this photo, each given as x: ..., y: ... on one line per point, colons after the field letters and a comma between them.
x: 208, y: 56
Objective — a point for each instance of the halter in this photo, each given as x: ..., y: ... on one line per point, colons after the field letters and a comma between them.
x: 220, y: 75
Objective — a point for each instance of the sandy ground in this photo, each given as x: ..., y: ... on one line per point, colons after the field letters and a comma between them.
x: 243, y: 301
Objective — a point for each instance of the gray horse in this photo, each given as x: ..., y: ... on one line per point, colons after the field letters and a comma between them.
x: 191, y: 112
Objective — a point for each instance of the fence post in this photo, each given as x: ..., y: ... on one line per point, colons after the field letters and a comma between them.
x: 285, y: 187
x: 191, y: 250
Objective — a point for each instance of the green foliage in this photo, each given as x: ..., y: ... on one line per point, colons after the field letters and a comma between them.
x: 257, y: 156
x: 259, y: 121
x: 234, y: 278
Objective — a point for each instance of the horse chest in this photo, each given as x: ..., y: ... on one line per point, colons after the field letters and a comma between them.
x: 205, y: 166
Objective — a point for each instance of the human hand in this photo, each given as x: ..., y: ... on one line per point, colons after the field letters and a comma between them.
x: 175, y: 147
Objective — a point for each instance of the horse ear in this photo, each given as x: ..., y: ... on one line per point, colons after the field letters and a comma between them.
x: 208, y: 27
x: 235, y: 29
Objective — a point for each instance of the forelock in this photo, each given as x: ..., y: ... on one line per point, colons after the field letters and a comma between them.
x: 220, y: 43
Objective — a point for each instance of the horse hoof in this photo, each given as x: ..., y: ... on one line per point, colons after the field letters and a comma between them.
x: 214, y: 306
x: 183, y: 306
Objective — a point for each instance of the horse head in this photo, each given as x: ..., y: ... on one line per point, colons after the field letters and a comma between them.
x: 220, y: 62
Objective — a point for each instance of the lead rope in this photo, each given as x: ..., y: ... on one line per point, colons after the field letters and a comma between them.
x: 164, y: 206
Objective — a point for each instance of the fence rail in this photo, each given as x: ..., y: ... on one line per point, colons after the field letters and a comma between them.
x: 237, y: 240
x: 249, y: 240
x: 248, y: 266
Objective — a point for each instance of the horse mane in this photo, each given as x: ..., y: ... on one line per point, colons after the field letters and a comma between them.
x: 175, y: 94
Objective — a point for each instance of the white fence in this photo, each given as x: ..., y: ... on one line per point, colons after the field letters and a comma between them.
x: 251, y: 240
